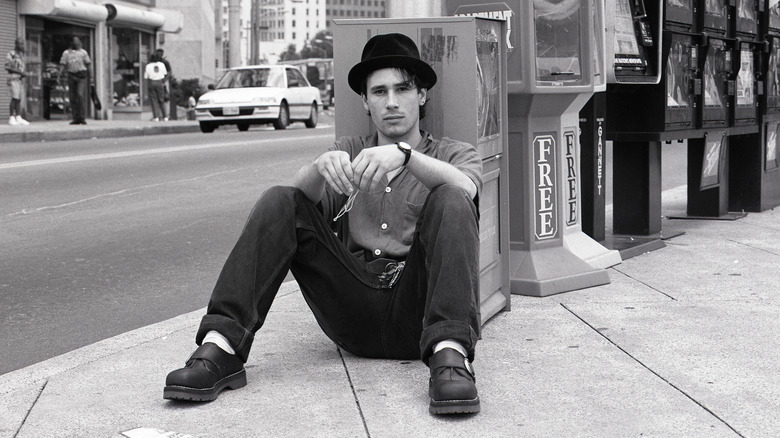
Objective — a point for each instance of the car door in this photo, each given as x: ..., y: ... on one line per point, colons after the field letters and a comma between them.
x: 296, y: 92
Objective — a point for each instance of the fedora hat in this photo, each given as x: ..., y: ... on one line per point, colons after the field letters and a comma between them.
x: 392, y: 50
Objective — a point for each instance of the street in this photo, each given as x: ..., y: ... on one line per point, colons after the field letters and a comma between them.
x: 103, y: 236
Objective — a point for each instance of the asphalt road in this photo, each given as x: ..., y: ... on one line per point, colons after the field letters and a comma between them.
x: 104, y: 236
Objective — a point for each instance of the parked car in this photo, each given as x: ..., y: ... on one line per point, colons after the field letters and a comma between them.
x: 250, y: 95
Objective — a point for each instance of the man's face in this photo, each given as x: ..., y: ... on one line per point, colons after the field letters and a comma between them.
x: 76, y: 43
x: 19, y: 45
x: 394, y: 102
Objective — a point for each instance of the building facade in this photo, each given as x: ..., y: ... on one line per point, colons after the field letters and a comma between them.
x: 354, y: 9
x: 119, y: 36
x: 285, y: 22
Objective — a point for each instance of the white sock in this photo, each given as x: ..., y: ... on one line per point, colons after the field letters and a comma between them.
x: 216, y: 337
x: 449, y: 343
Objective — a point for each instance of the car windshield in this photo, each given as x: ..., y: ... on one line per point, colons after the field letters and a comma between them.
x: 256, y: 77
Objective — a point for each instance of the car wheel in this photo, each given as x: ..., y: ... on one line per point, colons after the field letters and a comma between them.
x: 243, y: 126
x: 311, y: 122
x: 207, y: 127
x: 284, y: 117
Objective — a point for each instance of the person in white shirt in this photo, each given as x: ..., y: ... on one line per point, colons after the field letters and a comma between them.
x: 155, y: 74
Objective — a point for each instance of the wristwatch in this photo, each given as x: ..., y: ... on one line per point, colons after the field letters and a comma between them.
x: 406, y: 149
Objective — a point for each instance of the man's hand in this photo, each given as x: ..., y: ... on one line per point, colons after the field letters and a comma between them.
x: 335, y: 167
x: 372, y: 164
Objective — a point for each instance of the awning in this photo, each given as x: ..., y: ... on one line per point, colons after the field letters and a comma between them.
x: 174, y: 20
x: 70, y: 9
x: 125, y: 15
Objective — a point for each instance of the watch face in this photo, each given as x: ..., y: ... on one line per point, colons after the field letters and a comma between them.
x: 405, y: 146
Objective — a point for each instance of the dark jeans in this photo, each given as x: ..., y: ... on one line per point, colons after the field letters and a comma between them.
x: 77, y: 93
x: 434, y: 299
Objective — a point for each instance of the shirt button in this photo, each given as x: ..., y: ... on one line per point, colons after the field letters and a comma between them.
x: 377, y: 252
x: 388, y: 190
x: 384, y: 226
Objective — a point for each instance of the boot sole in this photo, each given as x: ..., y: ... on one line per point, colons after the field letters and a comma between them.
x: 184, y: 393
x: 454, y: 406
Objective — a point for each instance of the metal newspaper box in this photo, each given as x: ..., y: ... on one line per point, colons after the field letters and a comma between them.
x: 551, y: 77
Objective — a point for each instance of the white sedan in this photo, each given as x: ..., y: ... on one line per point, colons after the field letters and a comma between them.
x: 245, y: 96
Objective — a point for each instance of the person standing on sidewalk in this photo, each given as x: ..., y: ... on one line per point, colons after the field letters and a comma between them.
x: 381, y: 234
x: 166, y: 84
x: 76, y: 62
x: 155, y: 74
x: 14, y: 65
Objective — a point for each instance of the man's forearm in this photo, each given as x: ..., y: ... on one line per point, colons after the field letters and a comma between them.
x: 433, y: 173
x: 310, y: 182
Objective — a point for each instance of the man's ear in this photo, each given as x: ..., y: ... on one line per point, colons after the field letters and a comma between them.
x: 423, y: 94
x: 365, y: 101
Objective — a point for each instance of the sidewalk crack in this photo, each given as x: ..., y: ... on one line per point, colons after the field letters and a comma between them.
x: 655, y: 373
x: 354, y: 393
x: 753, y: 247
x: 642, y: 282
x: 24, y: 420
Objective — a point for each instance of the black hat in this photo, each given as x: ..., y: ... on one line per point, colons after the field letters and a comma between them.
x: 388, y: 51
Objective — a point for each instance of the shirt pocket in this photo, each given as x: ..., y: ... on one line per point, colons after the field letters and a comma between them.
x: 411, y: 214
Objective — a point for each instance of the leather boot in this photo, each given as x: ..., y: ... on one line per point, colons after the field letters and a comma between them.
x: 452, y: 386
x: 207, y: 372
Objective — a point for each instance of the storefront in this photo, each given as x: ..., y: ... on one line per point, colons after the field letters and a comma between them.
x: 131, y: 40
x: 50, y: 27
x: 118, y: 38
x: 8, y: 32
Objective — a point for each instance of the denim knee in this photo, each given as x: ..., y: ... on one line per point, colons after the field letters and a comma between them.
x: 276, y: 201
x: 451, y: 201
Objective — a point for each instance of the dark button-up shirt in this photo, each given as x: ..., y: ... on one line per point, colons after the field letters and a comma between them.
x: 383, y: 223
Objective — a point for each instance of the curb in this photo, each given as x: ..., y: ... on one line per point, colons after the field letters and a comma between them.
x: 34, y: 374
x: 99, y: 132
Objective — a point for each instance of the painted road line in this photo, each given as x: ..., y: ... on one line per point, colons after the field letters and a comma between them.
x: 136, y: 153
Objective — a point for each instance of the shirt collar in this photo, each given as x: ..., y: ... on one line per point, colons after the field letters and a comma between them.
x: 424, y: 145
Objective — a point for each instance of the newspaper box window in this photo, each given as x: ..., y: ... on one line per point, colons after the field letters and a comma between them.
x: 557, y: 41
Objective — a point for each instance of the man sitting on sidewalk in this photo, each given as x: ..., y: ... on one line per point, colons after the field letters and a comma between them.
x: 380, y: 233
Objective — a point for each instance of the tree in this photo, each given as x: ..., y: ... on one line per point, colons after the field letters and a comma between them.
x: 289, y: 54
x: 321, y: 46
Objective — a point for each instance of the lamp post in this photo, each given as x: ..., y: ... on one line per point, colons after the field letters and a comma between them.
x: 254, y: 44
x: 234, y: 33
x: 256, y: 15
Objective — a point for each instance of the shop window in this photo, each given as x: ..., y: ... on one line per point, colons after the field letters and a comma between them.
x: 125, y: 74
x: 129, y: 51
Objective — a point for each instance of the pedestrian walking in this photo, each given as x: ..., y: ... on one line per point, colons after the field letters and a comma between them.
x: 14, y: 65
x: 166, y: 84
x: 381, y: 233
x: 76, y: 62
x: 155, y: 74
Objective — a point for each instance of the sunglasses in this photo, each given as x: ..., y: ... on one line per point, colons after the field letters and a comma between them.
x: 347, y: 206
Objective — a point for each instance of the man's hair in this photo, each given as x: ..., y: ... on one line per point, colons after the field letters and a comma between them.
x: 408, y: 76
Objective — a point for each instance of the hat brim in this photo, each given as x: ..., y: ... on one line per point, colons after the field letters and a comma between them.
x: 363, y: 69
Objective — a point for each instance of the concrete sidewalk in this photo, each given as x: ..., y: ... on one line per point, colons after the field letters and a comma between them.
x: 54, y: 130
x: 682, y: 343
